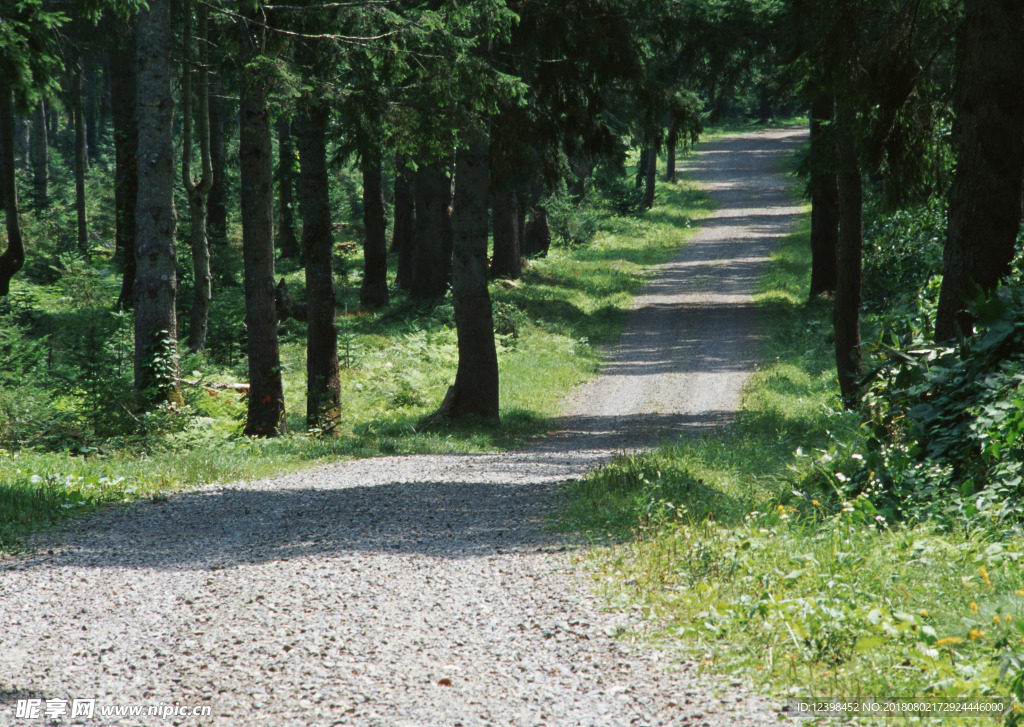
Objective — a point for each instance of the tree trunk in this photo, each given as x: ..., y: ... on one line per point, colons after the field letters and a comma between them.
x: 846, y: 311
x: 40, y: 152
x: 432, y: 194
x: 507, y: 261
x: 374, y: 290
x: 266, y: 414
x: 403, y: 238
x: 323, y: 387
x: 538, y: 234
x: 126, y: 141
x: 81, y: 161
x: 197, y: 190
x: 155, y: 288
x: 475, y: 390
x: 217, y: 223
x: 670, y: 162
x: 824, y: 199
x: 985, y: 199
x: 287, y: 242
x: 14, y: 256
x: 91, y: 113
x: 650, y: 160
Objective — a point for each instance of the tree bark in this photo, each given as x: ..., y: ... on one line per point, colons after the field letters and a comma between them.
x: 266, y: 414
x: 14, y: 256
x: 985, y: 199
x: 40, y: 152
x: 198, y: 190
x: 155, y: 288
x: 374, y: 290
x: 432, y: 193
x: 217, y: 223
x: 91, y: 113
x: 650, y: 166
x: 846, y: 311
x: 323, y: 386
x: 287, y: 242
x: 126, y: 141
x: 824, y: 200
x: 475, y: 391
x: 403, y: 238
x: 81, y: 161
x: 670, y: 162
x: 507, y: 261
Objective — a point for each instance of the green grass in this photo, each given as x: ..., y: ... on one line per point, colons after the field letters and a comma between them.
x: 736, y: 550
x: 63, y: 449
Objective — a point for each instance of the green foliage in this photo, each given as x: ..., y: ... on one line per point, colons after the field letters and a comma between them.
x: 944, y: 425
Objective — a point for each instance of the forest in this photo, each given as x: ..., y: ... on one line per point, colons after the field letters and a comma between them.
x: 248, y: 232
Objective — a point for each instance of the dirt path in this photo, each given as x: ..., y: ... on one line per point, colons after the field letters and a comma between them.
x: 413, y: 590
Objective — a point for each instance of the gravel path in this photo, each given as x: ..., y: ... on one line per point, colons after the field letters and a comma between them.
x: 408, y: 590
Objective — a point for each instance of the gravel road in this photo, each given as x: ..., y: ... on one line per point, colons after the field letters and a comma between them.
x: 408, y: 591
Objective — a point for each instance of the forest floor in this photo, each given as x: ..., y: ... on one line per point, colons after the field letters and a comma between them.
x: 420, y: 590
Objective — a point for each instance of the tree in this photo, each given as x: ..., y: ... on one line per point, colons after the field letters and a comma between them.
x: 475, y: 390
x: 985, y: 199
x: 126, y: 141
x: 374, y: 290
x: 40, y: 154
x: 266, y: 414
x: 287, y: 242
x: 824, y: 193
x: 403, y: 230
x: 155, y: 287
x: 29, y: 63
x: 81, y: 160
x: 197, y: 190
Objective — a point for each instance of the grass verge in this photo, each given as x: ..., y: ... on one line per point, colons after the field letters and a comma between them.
x: 731, y: 557
x: 396, y: 365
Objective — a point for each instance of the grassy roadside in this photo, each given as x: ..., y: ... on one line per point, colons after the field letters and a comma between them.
x: 396, y: 367
x: 731, y: 557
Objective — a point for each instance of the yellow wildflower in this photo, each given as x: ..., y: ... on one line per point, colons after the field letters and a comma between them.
x: 1020, y: 592
x: 924, y: 614
x: 949, y: 641
x: 984, y: 576
x: 995, y: 620
x: 815, y: 503
x: 976, y: 634
x: 974, y: 607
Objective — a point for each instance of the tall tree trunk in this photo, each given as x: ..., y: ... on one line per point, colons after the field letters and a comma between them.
x: 266, y: 414
x: 374, y: 290
x: 432, y: 194
x: 650, y: 161
x: 507, y: 261
x: 126, y: 141
x: 846, y: 311
x: 14, y: 256
x: 197, y: 190
x: 156, y: 325
x: 217, y: 224
x: 824, y: 199
x: 40, y: 151
x: 91, y: 112
x: 475, y: 391
x: 81, y: 161
x: 670, y: 162
x: 985, y: 199
x: 403, y: 236
x: 287, y: 242
x: 323, y: 386
x: 22, y: 142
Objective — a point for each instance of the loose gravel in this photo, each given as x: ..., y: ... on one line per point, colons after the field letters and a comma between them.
x: 407, y: 591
